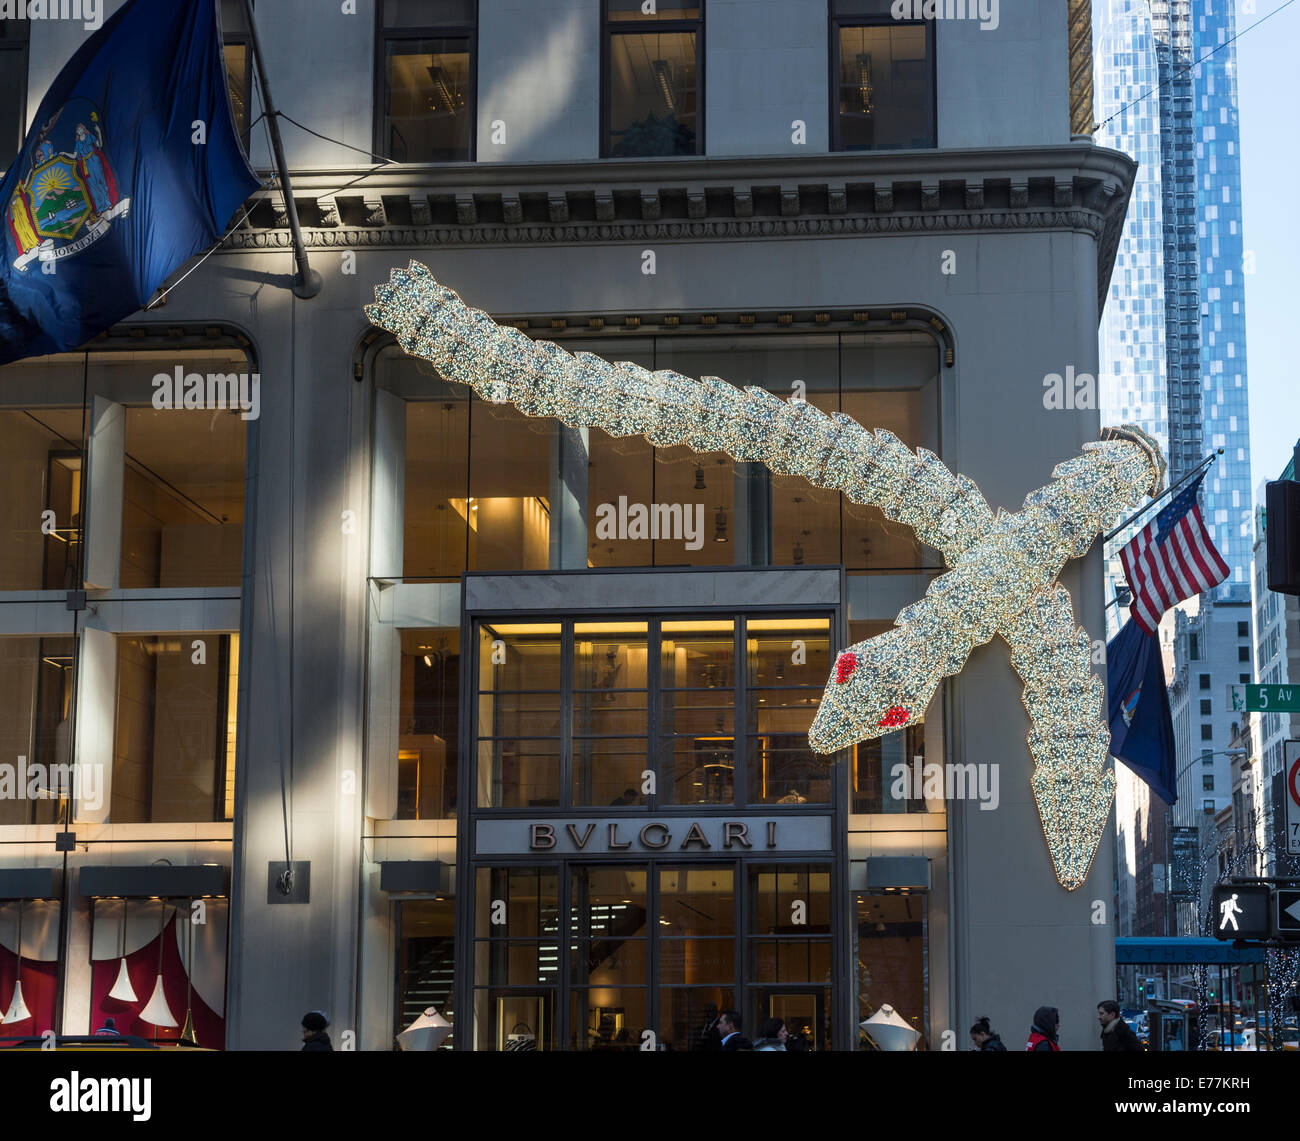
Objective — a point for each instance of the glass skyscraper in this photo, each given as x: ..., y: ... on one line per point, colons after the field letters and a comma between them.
x: 1173, y: 335
x: 1224, y: 392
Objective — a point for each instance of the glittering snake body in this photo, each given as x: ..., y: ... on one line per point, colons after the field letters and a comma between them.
x: 1003, y: 567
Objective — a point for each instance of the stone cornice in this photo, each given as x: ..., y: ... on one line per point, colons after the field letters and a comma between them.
x: 1076, y: 187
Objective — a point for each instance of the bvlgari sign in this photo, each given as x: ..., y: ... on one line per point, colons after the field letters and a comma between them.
x: 665, y: 834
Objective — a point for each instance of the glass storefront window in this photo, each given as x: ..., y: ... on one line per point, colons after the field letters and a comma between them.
x: 183, y: 509
x: 41, y: 516
x: 480, y: 479
x: 609, y: 712
x: 790, y: 928
x: 534, y: 710
x: 429, y: 724
x: 516, y: 958
x: 891, y: 957
x: 608, y: 958
x: 36, y: 690
x: 697, y: 749
x: 425, y: 960
x: 787, y: 663
x: 173, y: 730
x: 883, y: 771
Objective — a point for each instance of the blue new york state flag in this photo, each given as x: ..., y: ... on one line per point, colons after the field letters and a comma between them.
x: 131, y: 166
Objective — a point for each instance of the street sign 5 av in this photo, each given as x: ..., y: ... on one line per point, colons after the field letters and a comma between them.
x: 1288, y: 912
x: 1241, y: 911
x: 1273, y: 698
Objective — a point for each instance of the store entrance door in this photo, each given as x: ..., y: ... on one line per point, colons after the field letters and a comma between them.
x: 802, y: 1009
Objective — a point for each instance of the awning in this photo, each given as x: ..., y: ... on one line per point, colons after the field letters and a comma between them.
x: 429, y: 877
x: 188, y: 881
x: 31, y: 883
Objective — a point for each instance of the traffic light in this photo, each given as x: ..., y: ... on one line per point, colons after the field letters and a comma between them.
x: 1282, y: 523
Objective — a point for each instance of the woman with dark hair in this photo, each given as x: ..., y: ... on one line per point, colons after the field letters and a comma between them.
x: 985, y: 1040
x: 772, y: 1035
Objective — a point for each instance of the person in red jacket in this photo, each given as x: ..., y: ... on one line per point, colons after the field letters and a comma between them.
x: 1045, y: 1030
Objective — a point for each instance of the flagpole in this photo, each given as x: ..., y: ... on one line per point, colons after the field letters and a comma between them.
x: 307, y: 281
x: 1203, y: 465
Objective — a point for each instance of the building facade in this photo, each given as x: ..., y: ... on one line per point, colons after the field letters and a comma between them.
x: 523, y: 708
x: 1277, y: 662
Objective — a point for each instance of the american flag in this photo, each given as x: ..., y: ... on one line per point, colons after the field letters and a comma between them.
x: 1171, y: 558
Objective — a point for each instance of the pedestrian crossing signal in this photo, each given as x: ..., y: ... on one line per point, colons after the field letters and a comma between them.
x: 1240, y: 911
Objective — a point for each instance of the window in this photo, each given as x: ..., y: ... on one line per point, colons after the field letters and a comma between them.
x: 426, y: 941
x: 36, y: 695
x: 887, y: 774
x: 891, y: 955
x: 13, y: 88
x: 425, y: 80
x: 1208, y: 807
x: 1205, y: 681
x: 173, y: 741
x: 1205, y: 707
x: 1243, y: 653
x: 884, y: 78
x: 1244, y: 679
x: 1243, y: 629
x: 516, y: 958
x: 1207, y: 757
x: 790, y: 950
x: 1194, y: 648
x: 652, y: 79
x: 481, y: 481
x: 1207, y: 733
x: 429, y: 724
x: 664, y: 697
x: 239, y: 69
x: 1207, y: 782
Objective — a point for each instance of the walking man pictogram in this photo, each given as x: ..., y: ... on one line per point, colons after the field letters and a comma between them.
x: 1230, y: 910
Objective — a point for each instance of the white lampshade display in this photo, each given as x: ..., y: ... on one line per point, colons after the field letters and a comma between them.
x: 888, y: 1030
x: 17, y: 1011
x: 156, y: 1011
x: 427, y: 1032
x: 122, y: 990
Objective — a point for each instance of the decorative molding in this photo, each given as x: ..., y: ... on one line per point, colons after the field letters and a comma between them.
x: 1077, y: 187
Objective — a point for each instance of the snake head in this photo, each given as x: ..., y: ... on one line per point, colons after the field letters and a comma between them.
x: 875, y: 687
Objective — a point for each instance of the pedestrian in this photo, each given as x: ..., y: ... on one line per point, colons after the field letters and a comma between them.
x: 772, y: 1035
x: 1045, y: 1030
x: 981, y: 1034
x: 314, y: 1037
x: 1117, y: 1036
x: 109, y: 1029
x: 729, y: 1029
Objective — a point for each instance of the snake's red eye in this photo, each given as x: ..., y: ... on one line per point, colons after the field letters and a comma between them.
x: 845, y: 664
x: 896, y: 716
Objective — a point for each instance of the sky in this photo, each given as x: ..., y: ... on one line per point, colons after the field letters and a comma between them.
x: 1270, y: 188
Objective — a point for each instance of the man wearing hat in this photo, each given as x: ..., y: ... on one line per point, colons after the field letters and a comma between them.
x: 313, y: 1031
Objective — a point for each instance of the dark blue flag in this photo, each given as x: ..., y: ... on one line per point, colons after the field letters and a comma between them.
x: 1141, y: 729
x: 132, y: 165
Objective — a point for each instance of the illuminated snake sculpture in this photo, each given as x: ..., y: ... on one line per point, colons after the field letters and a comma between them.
x: 1003, y: 566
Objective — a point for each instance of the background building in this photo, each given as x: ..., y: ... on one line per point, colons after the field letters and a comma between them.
x: 1173, y: 333
x: 379, y: 631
